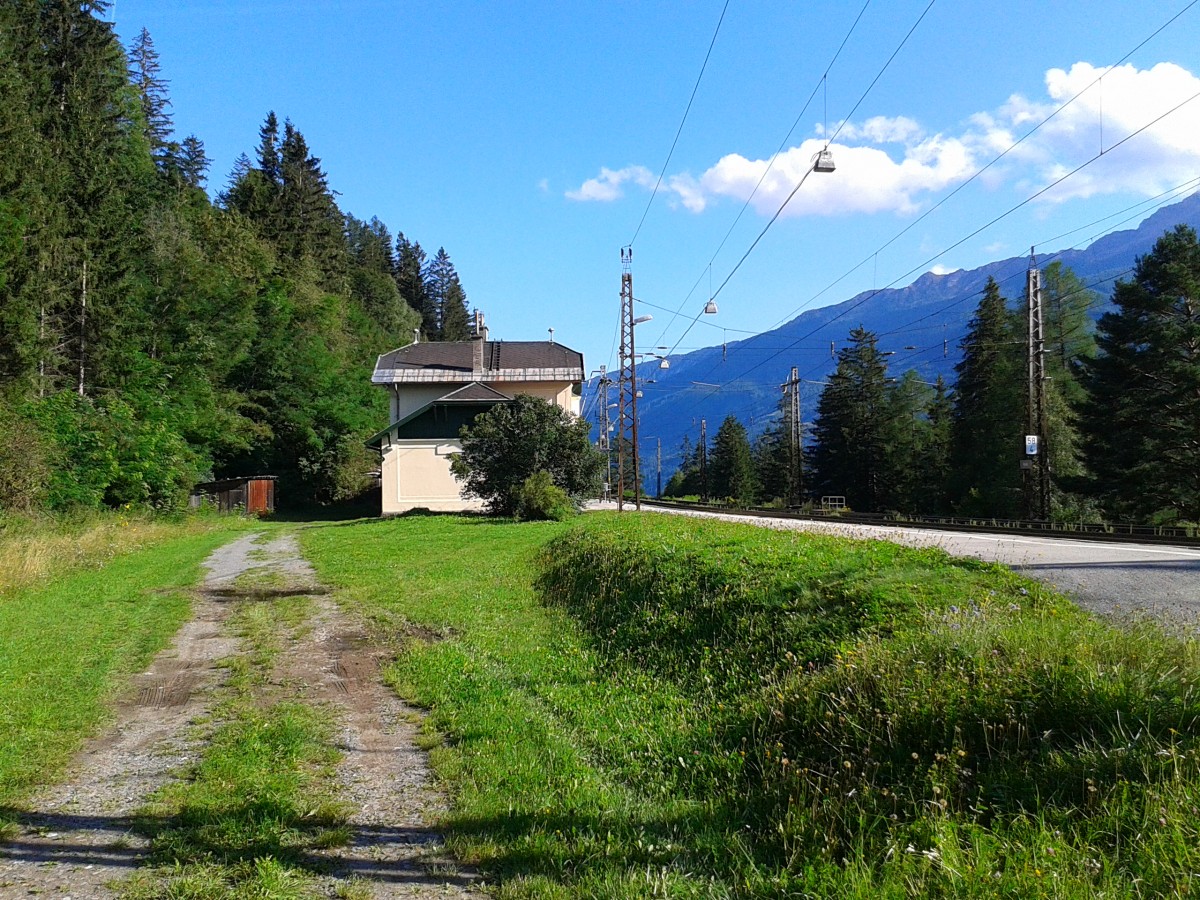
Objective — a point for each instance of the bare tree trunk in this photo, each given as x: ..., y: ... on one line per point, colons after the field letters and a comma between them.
x: 83, y: 327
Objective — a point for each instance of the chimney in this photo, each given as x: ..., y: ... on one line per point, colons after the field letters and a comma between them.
x: 478, y: 339
x: 551, y: 335
x: 416, y: 335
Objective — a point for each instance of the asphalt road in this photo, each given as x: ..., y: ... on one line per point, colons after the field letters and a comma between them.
x: 1107, y: 578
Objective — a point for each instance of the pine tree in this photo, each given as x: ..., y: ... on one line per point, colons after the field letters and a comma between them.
x: 1143, y: 411
x: 1069, y: 343
x: 193, y: 162
x: 372, y: 279
x: 410, y: 279
x: 443, y: 295
x: 906, y: 427
x: 731, y: 465
x: 771, y: 452
x: 309, y: 221
x: 933, y: 485
x: 157, y: 125
x: 456, y: 321
x: 989, y: 412
x: 850, y: 434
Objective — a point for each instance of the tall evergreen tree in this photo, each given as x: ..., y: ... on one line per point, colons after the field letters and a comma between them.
x: 1143, y: 412
x: 456, y: 321
x: 771, y: 458
x: 193, y: 162
x: 372, y: 279
x: 157, y: 125
x: 731, y: 465
x: 989, y: 411
x: 934, y: 480
x: 850, y: 434
x: 444, y: 316
x: 907, y: 437
x: 410, y: 277
x: 309, y: 221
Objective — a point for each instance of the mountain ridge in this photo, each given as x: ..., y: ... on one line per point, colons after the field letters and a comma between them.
x: 919, y: 325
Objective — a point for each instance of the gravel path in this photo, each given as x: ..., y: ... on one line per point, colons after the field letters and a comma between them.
x: 382, y: 773
x: 78, y: 836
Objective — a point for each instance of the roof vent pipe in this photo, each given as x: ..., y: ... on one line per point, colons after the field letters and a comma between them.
x: 552, y: 335
x: 416, y: 335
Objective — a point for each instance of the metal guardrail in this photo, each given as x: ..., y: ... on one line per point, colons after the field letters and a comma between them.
x: 1148, y: 534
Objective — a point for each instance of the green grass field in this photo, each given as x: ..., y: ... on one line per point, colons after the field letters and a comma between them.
x: 644, y: 706
x: 631, y: 706
x: 69, y: 639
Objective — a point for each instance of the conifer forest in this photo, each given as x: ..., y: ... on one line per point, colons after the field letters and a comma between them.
x: 151, y: 337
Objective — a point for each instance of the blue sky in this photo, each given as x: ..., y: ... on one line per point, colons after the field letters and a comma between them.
x: 526, y: 138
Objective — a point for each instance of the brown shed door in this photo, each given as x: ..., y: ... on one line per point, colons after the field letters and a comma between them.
x: 259, y: 500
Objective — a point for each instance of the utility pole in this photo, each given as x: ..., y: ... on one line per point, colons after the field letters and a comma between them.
x: 703, y: 461
x: 1036, y: 467
x: 605, y: 444
x: 627, y: 441
x: 791, y: 414
x: 658, y: 495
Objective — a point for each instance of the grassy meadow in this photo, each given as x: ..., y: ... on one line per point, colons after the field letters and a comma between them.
x: 649, y: 706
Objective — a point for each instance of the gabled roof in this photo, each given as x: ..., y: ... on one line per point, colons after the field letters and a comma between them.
x: 475, y: 395
x: 502, y: 361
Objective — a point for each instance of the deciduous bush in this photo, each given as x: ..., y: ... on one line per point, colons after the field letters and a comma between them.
x: 540, y: 498
x: 512, y: 441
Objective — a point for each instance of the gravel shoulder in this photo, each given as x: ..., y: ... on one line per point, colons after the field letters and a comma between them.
x: 1110, y: 579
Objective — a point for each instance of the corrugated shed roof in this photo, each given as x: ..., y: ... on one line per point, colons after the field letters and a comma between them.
x: 452, y: 360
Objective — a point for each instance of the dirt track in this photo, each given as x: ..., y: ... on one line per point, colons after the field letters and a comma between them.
x: 78, y: 839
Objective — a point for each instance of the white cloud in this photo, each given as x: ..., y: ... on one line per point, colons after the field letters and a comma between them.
x: 883, y: 130
x: 890, y: 164
x: 607, y: 187
x: 1114, y: 103
x: 867, y: 179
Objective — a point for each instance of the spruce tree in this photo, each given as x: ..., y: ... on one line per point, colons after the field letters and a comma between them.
x: 989, y: 412
x: 933, y: 484
x: 731, y: 465
x: 410, y: 278
x: 1143, y: 410
x: 193, y: 162
x: 443, y: 297
x: 850, y: 433
x: 157, y: 126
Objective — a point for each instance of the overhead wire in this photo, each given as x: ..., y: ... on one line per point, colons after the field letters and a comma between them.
x: 823, y: 80
x: 1169, y: 195
x: 679, y: 130
x: 985, y: 168
x: 869, y: 295
x: 810, y: 169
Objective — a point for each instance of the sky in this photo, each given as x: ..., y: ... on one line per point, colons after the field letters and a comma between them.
x: 528, y: 138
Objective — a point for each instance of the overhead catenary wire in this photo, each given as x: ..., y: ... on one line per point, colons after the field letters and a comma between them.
x: 679, y: 130
x: 1013, y: 146
x: 822, y: 81
x: 810, y: 169
x: 922, y: 266
x: 1169, y: 195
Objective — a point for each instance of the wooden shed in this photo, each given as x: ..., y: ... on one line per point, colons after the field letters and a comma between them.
x: 254, y: 495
